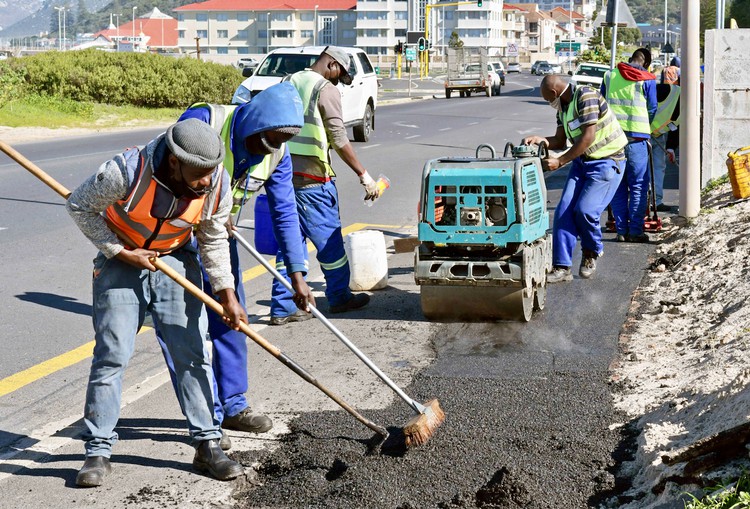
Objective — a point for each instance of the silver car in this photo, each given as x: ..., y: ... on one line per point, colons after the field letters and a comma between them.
x: 513, y: 67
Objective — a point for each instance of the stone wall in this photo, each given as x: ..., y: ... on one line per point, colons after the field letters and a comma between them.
x: 726, y: 107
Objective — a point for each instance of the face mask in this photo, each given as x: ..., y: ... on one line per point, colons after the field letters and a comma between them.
x: 555, y: 103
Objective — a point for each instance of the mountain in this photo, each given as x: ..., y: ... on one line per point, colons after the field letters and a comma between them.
x: 12, y: 11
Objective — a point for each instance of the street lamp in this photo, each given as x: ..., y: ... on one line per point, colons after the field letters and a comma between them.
x: 268, y: 32
x: 315, y: 28
x: 117, y: 42
x: 60, y: 11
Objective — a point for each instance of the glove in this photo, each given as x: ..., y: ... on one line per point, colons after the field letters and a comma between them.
x: 371, y: 187
x: 671, y: 156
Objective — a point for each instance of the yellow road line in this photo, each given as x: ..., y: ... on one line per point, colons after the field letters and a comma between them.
x: 34, y: 373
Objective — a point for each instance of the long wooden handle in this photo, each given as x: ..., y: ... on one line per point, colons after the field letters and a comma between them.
x: 208, y: 301
x: 36, y: 170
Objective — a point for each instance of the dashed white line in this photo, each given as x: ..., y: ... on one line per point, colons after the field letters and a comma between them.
x: 412, y: 136
x: 370, y: 146
x: 473, y: 123
x: 446, y: 129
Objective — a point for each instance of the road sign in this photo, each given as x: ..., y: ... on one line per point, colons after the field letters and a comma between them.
x: 567, y: 53
x: 411, y: 53
x: 567, y: 46
x: 512, y: 50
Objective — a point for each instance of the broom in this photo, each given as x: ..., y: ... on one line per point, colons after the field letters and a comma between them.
x: 429, y: 416
x: 207, y: 300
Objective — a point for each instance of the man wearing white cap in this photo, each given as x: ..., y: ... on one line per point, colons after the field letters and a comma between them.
x: 314, y: 186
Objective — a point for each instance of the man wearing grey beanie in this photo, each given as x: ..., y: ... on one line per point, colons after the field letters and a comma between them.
x: 141, y: 204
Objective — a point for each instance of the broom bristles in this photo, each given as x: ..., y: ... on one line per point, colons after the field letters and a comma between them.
x: 422, y: 426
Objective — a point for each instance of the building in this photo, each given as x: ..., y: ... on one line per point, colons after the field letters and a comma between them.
x: 542, y: 31
x: 587, y: 8
x: 154, y: 31
x: 226, y: 29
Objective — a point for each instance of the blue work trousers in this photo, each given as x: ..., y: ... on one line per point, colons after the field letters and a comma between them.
x: 589, y: 188
x: 229, y: 360
x: 631, y: 199
x: 318, y: 209
x: 122, y: 294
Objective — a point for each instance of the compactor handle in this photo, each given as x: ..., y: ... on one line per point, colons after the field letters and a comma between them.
x: 485, y: 145
x: 543, y: 150
x: 508, y: 149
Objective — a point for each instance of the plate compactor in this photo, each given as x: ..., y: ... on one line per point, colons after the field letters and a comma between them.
x: 484, y: 250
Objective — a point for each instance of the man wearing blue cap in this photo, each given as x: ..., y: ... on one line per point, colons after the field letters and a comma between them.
x: 255, y: 136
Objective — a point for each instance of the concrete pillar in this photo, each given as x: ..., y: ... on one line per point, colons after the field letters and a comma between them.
x: 690, y: 168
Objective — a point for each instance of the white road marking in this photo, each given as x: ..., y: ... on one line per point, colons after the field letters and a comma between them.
x: 532, y: 130
x: 412, y: 136
x: 446, y: 129
x: 370, y: 146
x: 401, y: 124
x: 473, y: 123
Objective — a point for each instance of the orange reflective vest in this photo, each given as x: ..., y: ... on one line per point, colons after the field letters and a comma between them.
x: 132, y: 221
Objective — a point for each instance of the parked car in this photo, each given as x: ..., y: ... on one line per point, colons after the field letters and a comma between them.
x: 589, y: 73
x: 514, y: 67
x: 535, y: 66
x: 556, y: 68
x: 495, y: 81
x: 358, y: 100
x: 500, y: 70
x: 544, y: 69
x: 246, y: 62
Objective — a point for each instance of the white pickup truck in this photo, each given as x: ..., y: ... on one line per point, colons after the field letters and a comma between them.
x: 358, y: 100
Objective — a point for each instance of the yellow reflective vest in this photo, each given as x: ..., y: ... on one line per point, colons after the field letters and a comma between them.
x: 628, y: 102
x: 662, y: 122
x: 610, y: 138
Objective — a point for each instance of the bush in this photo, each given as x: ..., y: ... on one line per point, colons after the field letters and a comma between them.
x: 138, y: 79
x: 11, y: 83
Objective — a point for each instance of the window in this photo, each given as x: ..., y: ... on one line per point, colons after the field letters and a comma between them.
x: 180, y: 17
x: 306, y: 34
x: 281, y: 16
x: 349, y: 16
x: 243, y: 50
x: 243, y: 16
x: 181, y: 34
x: 201, y: 16
x: 377, y: 15
x: 400, y: 32
x: 349, y: 34
x: 262, y: 34
x: 222, y: 34
x: 307, y: 16
x: 242, y: 34
x: 222, y: 16
x: 262, y: 16
x: 327, y: 32
x: 222, y: 50
x: 401, y: 15
x: 449, y: 14
x: 283, y: 34
x: 376, y: 50
x: 533, y: 27
x: 203, y: 34
x: 366, y: 65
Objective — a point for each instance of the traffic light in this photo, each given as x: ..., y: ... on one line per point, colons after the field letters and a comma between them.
x: 421, y: 44
x: 479, y: 3
x: 399, y: 48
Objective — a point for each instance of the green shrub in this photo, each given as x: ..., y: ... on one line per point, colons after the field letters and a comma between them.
x: 11, y: 83
x: 138, y: 79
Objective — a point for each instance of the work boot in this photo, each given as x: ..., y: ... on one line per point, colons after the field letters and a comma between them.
x: 588, y: 267
x: 247, y: 421
x: 559, y: 274
x: 225, y: 442
x: 641, y: 238
x: 662, y: 207
x: 210, y: 458
x: 357, y: 300
x: 297, y: 316
x: 93, y: 472
x: 621, y: 238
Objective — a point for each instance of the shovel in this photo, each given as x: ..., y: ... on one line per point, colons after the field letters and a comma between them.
x: 207, y: 300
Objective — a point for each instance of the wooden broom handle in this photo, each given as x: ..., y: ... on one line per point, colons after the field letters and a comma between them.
x: 36, y: 170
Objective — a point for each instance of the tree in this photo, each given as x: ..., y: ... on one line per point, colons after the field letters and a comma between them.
x: 740, y: 11
x: 455, y: 41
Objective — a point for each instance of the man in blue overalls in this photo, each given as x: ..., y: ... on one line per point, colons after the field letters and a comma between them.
x: 255, y: 136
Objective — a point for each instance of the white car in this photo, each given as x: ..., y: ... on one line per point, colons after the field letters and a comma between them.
x: 589, y: 73
x: 358, y: 100
x: 246, y: 62
x: 495, y: 80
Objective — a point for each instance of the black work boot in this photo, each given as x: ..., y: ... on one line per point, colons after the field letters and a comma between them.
x: 93, y: 472
x: 211, y: 459
x: 356, y: 301
x: 247, y: 421
x: 225, y: 442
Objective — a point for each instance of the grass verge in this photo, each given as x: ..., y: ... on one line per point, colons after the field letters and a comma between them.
x: 55, y: 113
x: 731, y: 496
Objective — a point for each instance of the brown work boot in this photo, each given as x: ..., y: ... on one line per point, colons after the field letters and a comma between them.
x: 93, y: 472
x: 297, y: 316
x: 211, y: 459
x: 247, y: 421
x: 225, y: 442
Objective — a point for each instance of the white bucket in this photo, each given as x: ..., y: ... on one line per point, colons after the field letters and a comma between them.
x: 367, y: 260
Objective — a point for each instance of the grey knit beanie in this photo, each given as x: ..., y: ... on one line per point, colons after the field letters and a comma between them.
x: 195, y: 143
x: 292, y: 129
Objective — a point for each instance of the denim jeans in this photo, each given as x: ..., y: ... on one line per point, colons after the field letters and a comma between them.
x: 318, y: 209
x: 631, y: 198
x: 588, y: 190
x: 660, y: 166
x: 122, y: 295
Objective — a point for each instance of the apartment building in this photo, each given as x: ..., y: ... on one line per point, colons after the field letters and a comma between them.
x: 223, y: 30
x: 542, y: 31
x: 587, y: 8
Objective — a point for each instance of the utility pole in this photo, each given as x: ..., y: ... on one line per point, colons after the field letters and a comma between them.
x: 198, y: 48
x: 613, y: 56
x: 117, y: 17
x: 315, y: 28
x: 689, y: 201
x: 59, y: 26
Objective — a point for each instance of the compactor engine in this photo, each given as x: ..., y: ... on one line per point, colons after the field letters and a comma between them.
x: 484, y: 250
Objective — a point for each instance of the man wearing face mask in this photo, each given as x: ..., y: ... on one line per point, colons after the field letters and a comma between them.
x: 315, y: 190
x: 584, y: 118
x: 254, y: 136
x: 141, y: 204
